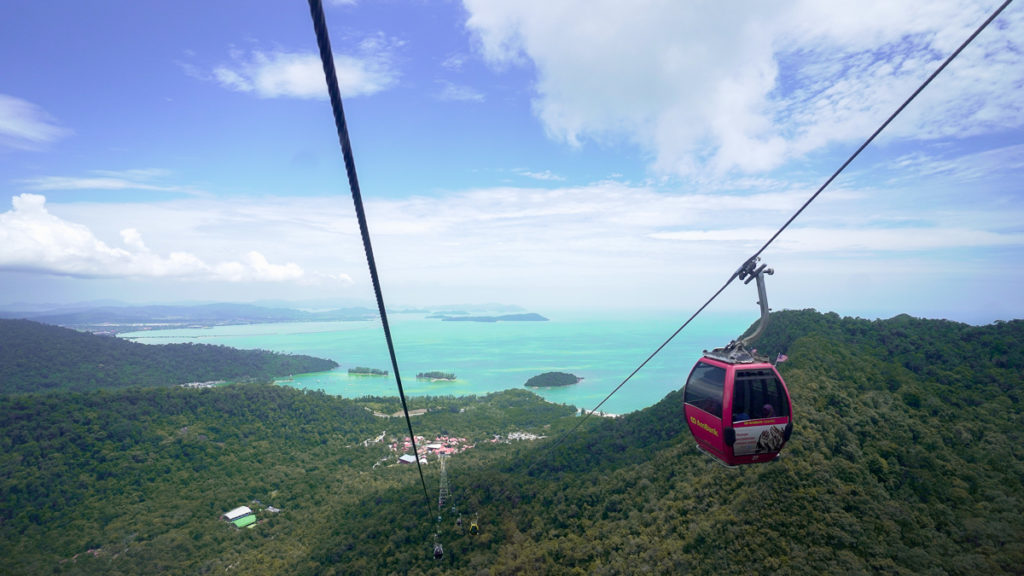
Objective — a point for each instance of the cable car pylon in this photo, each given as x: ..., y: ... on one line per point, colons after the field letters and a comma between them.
x: 442, y: 498
x: 444, y: 494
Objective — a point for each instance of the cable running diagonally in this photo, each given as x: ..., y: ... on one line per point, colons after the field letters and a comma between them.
x: 885, y: 124
x: 327, y: 58
x: 644, y: 363
x: 831, y: 178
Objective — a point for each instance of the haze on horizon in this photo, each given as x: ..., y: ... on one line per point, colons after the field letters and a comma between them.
x: 552, y: 155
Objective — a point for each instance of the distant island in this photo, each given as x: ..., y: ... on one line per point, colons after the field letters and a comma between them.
x: 363, y: 371
x: 530, y: 317
x: 553, y: 379
x: 436, y: 376
x: 113, y: 320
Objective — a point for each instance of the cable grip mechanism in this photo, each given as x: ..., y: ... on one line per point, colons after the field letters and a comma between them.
x: 736, y: 351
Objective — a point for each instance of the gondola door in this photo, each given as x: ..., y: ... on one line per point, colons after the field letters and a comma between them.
x: 703, y: 398
x: 760, y: 415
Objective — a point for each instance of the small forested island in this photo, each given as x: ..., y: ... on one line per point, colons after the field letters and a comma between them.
x: 436, y: 376
x: 553, y: 379
x: 363, y: 371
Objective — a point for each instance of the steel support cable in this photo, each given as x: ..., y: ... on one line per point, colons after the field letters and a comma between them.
x: 327, y: 58
x: 644, y: 363
x: 814, y: 196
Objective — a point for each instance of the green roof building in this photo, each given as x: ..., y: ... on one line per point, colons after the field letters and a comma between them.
x: 247, y: 520
x: 240, y: 517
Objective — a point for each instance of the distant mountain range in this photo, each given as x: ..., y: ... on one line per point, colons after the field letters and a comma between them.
x: 114, y: 318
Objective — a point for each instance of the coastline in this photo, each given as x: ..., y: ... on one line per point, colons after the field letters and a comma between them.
x: 487, y: 357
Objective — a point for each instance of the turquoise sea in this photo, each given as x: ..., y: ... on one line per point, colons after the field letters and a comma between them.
x: 490, y: 356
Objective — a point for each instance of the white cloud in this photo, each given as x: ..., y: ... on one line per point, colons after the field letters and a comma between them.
x: 574, y: 245
x: 25, y: 126
x: 133, y: 239
x: 1002, y: 163
x: 610, y: 244
x: 451, y: 92
x: 847, y: 241
x: 139, y: 179
x: 340, y: 278
x: 454, y: 62
x: 33, y: 239
x: 235, y: 81
x: 546, y: 175
x: 264, y: 270
x: 280, y: 74
x: 86, y: 183
x: 748, y: 87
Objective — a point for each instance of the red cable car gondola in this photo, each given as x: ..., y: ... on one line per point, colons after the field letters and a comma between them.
x: 736, y: 403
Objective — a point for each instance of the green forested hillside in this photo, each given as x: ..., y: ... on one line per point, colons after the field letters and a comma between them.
x: 134, y: 481
x: 40, y: 358
x: 143, y: 474
x: 907, y: 458
x: 889, y: 470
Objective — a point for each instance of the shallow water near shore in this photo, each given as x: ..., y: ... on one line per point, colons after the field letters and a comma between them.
x: 486, y: 357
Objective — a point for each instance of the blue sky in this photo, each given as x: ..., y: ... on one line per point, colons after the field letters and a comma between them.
x: 551, y: 154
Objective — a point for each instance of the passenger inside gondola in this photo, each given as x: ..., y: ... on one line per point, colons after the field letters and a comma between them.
x: 739, y: 402
x: 759, y: 394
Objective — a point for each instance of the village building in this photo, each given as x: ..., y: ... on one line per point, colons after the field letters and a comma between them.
x: 524, y: 436
x: 241, y: 517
